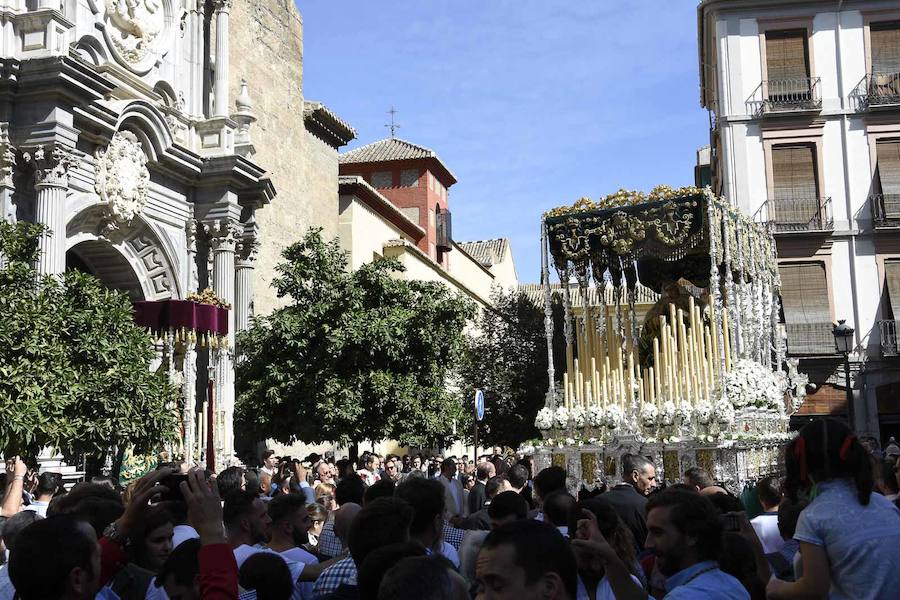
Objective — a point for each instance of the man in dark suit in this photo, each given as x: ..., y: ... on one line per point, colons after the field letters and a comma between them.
x: 629, y: 498
x: 477, y: 496
x: 480, y: 519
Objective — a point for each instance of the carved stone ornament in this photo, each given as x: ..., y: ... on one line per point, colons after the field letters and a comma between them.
x: 51, y: 165
x: 122, y: 177
x: 137, y: 30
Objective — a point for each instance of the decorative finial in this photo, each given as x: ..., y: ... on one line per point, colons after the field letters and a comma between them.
x: 393, y: 126
x: 243, y: 102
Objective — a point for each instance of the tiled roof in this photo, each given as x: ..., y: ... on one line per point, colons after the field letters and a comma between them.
x: 390, y: 149
x: 346, y: 183
x: 487, y: 252
x: 536, y: 294
x: 337, y: 131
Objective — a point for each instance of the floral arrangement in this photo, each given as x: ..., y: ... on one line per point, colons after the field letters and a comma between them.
x: 724, y: 412
x: 561, y: 417
x: 614, y: 416
x: 578, y: 416
x: 595, y: 416
x: 625, y: 198
x: 649, y: 414
x: 751, y: 384
x: 544, y: 419
x: 683, y: 412
x: 704, y: 411
x: 667, y: 416
x: 207, y: 296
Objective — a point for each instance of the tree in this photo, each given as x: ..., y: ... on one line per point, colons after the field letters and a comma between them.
x: 507, y: 359
x: 355, y: 355
x: 74, y: 368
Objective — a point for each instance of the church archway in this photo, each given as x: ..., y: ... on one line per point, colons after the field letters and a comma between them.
x: 100, y: 259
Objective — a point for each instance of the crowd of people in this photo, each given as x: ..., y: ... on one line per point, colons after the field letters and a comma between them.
x: 447, y: 528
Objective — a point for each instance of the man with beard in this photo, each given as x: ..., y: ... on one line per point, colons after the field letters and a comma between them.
x: 685, y: 535
x: 289, y: 531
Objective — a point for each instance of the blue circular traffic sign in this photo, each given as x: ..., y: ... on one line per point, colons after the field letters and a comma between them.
x: 479, y: 405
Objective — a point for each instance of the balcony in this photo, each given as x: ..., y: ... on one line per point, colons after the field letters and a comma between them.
x: 799, y: 94
x: 878, y: 90
x: 888, y: 330
x: 885, y: 210
x: 796, y: 215
x: 810, y: 339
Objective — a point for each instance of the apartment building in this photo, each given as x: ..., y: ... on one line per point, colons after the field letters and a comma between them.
x: 804, y: 104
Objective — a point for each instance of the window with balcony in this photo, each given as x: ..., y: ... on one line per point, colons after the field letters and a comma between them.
x: 788, y: 85
x: 795, y: 203
x: 807, y: 309
x: 884, y: 81
x: 886, y: 198
x: 888, y: 326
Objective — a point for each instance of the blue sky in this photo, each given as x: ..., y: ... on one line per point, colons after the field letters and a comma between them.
x: 531, y: 103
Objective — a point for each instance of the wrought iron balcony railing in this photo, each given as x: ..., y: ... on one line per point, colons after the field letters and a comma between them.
x: 885, y: 210
x: 879, y: 90
x: 787, y: 215
x: 810, y: 339
x: 791, y: 95
x: 888, y: 330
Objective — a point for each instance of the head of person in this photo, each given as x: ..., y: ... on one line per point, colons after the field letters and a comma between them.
x: 269, y: 460
x: 290, y: 518
x: 344, y: 468
x: 507, y: 507
x: 180, y: 574
x: 268, y: 574
x: 516, y: 477
x: 426, y: 497
x: 737, y: 560
x: 151, y: 544
x: 769, y: 491
x: 683, y: 528
x: 492, y: 487
x: 639, y: 472
x: 323, y: 470
x: 392, y: 468
x: 246, y: 518
x: 416, y: 461
x: 15, y: 525
x: 343, y: 519
x: 725, y: 502
x: 423, y: 578
x: 549, y: 480
x: 485, y: 471
x: 48, y: 485
x: 526, y: 560
x: 384, y: 522
x: 56, y: 558
x: 379, y: 561
x: 349, y: 490
x: 826, y: 449
x: 556, y: 508
x: 95, y: 503
x: 318, y: 515
x: 380, y: 489
x: 610, y: 525
x: 788, y: 515
x: 230, y: 479
x: 697, y: 478
x: 448, y: 467
x: 373, y: 463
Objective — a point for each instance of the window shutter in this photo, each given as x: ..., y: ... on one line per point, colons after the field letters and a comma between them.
x: 444, y: 230
x: 892, y: 283
x: 888, y: 153
x: 885, y: 38
x: 807, y: 312
x: 796, y: 190
x: 787, y: 59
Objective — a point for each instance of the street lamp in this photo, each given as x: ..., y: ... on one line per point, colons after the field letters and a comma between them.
x: 843, y: 341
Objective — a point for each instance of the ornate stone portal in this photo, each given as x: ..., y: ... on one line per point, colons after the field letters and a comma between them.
x: 122, y: 178
x: 137, y: 30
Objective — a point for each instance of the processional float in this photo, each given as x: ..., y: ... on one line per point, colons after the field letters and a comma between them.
x: 700, y: 377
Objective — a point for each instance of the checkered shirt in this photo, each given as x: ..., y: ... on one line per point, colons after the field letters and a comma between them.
x: 329, y: 544
x: 341, y: 572
x: 453, y: 536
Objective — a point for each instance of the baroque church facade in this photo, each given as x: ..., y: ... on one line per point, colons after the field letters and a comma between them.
x: 126, y: 134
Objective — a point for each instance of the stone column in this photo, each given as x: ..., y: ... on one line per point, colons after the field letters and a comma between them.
x: 51, y: 181
x: 245, y: 265
x: 220, y: 85
x: 223, y: 235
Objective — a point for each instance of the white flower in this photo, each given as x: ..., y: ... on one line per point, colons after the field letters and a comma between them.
x: 613, y: 416
x: 649, y: 414
x: 704, y: 412
x: 578, y: 416
x: 561, y: 417
x: 751, y: 384
x: 724, y: 412
x: 667, y: 417
x: 595, y: 416
x: 684, y: 411
x: 544, y: 419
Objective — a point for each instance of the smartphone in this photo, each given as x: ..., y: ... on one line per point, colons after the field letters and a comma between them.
x: 173, y: 485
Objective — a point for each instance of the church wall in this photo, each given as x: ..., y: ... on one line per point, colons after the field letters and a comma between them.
x: 266, y: 49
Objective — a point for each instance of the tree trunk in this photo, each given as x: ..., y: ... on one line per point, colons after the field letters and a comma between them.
x: 116, y: 469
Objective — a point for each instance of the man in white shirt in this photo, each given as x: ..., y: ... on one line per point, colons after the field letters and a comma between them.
x: 766, y: 524
x: 454, y: 499
x: 270, y: 461
x: 49, y: 484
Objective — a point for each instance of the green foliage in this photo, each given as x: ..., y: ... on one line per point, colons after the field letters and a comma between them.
x: 507, y: 358
x: 74, y: 369
x: 356, y: 355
